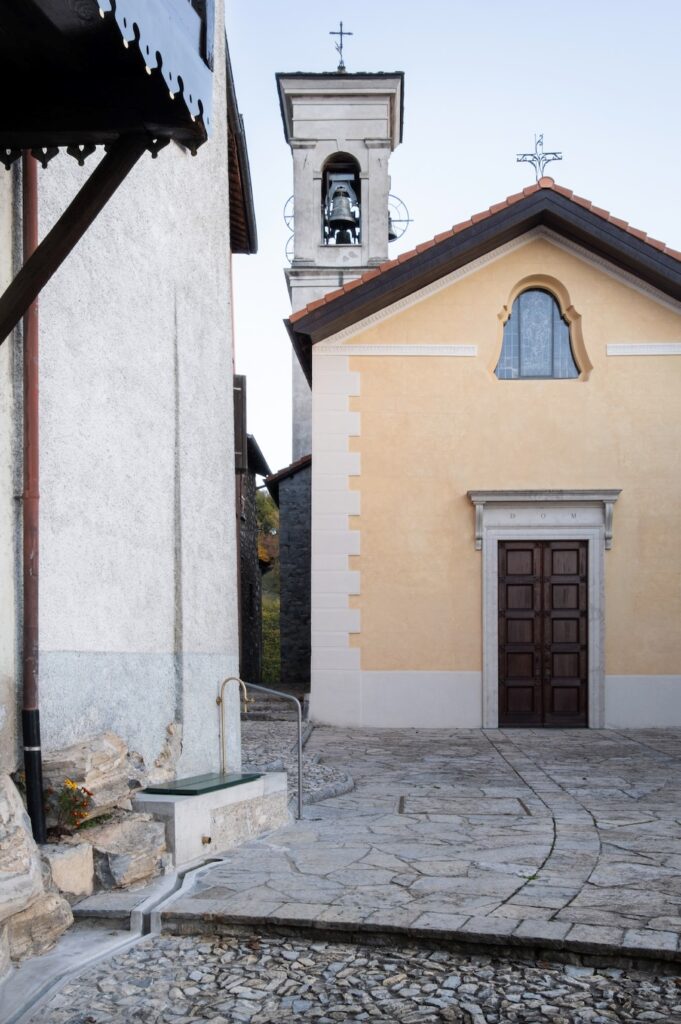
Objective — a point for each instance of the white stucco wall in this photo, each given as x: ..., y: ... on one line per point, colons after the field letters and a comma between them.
x: 138, y: 614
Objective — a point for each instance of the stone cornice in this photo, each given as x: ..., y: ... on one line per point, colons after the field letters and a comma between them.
x: 606, y: 497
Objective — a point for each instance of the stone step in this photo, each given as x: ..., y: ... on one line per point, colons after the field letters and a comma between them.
x: 504, y: 937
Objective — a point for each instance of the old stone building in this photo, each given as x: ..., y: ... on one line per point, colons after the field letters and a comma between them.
x: 138, y: 586
x: 138, y: 561
x: 250, y: 567
x: 291, y: 490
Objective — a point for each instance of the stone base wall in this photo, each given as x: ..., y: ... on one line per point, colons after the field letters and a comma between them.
x: 295, y: 554
x: 250, y: 582
x: 240, y: 822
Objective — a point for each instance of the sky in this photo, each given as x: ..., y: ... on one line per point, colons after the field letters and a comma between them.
x: 600, y: 79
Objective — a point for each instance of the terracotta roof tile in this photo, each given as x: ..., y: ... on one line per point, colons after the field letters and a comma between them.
x: 353, y: 284
x: 586, y: 203
x: 369, y: 275
x: 543, y: 183
x: 624, y: 224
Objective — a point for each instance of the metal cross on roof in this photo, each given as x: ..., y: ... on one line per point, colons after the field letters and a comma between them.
x: 539, y: 159
x: 339, y: 45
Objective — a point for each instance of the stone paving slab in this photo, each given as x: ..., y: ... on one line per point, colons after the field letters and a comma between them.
x: 564, y: 839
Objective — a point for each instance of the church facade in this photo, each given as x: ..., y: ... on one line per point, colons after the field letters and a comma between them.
x: 496, y: 477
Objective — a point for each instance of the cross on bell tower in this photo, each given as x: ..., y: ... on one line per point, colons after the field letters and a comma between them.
x: 339, y: 45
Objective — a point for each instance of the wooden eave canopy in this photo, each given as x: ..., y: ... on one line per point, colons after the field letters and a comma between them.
x: 127, y: 74
x: 242, y: 227
x: 257, y: 463
x: 87, y: 73
x: 616, y: 242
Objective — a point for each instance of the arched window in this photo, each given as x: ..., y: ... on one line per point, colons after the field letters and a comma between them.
x: 536, y: 340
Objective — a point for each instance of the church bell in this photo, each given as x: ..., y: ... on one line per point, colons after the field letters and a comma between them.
x: 341, y: 216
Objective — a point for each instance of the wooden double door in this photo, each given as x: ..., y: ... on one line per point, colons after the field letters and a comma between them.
x: 543, y: 633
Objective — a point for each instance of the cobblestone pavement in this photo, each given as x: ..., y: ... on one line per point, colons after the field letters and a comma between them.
x: 570, y: 838
x: 176, y: 981
x: 273, y: 746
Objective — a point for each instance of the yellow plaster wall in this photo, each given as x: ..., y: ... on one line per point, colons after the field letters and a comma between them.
x: 432, y: 429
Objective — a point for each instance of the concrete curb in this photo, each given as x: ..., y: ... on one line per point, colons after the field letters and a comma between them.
x: 333, y: 789
x: 475, y: 935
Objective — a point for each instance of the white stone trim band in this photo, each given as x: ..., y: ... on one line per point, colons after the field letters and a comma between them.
x: 409, y: 699
x: 643, y: 702
x: 454, y: 700
x: 335, y: 665
x: 646, y: 348
x: 323, y: 348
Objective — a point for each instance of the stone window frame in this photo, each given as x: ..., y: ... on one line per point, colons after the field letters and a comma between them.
x: 543, y: 515
x: 557, y: 290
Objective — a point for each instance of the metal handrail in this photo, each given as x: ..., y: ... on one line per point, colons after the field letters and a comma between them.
x: 288, y: 696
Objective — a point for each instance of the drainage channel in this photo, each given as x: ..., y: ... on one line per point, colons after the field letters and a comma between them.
x: 35, y: 981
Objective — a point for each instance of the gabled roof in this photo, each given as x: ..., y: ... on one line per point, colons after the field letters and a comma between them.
x: 272, y: 481
x: 545, y: 204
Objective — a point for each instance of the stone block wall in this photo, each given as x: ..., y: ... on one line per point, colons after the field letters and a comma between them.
x: 294, y: 554
x: 250, y: 581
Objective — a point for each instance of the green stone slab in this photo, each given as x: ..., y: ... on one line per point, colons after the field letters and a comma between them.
x: 199, y: 784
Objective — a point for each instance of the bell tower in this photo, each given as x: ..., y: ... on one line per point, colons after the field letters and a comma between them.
x: 342, y: 129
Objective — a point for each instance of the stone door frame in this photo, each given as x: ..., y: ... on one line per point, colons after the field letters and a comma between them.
x: 543, y: 515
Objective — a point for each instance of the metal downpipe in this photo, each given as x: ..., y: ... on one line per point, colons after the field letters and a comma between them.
x: 30, y: 714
